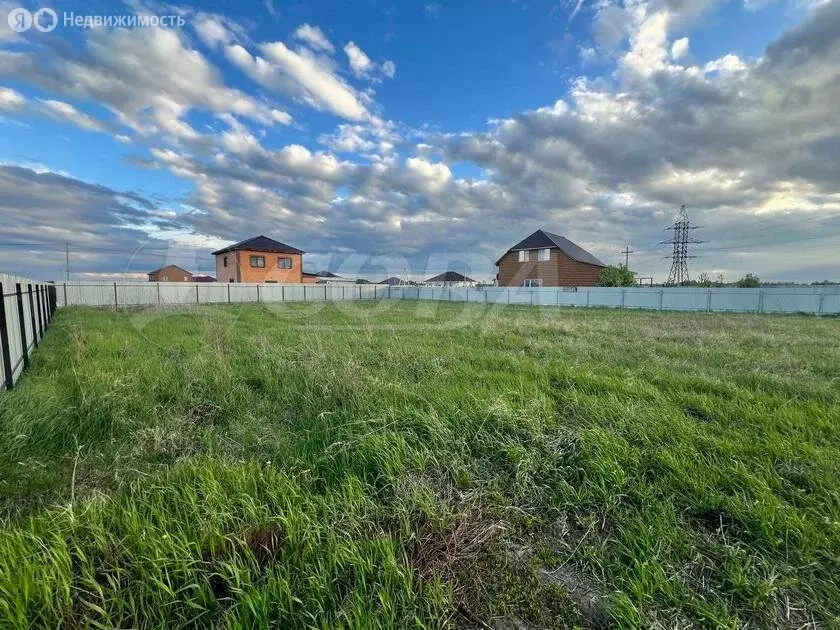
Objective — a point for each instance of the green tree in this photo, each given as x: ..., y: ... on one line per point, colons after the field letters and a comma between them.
x: 750, y: 281
x: 616, y: 277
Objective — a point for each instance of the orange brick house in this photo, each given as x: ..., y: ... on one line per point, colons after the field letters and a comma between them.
x: 261, y: 259
x: 544, y: 259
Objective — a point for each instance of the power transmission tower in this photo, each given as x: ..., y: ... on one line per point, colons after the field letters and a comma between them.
x: 680, y: 240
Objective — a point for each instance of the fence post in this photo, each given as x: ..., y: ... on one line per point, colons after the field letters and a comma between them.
x: 304, y: 293
x: 44, y: 307
x: 157, y: 284
x: 116, y: 301
x: 325, y: 292
x: 197, y: 301
x: 282, y: 292
x: 819, y: 307
x: 258, y: 293
x: 228, y: 291
x: 360, y: 291
x: 65, y: 294
x: 39, y: 311
x: 661, y: 297
x: 588, y: 294
x: 761, y: 301
x: 32, y: 315
x: 22, y: 326
x: 4, y: 342
x: 623, y: 292
x: 709, y: 302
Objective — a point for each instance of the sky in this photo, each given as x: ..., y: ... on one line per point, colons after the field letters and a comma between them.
x: 407, y: 138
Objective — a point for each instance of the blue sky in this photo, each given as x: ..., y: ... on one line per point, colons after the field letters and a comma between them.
x: 424, y: 135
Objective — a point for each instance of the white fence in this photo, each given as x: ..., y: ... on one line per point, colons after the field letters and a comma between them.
x: 26, y: 309
x: 814, y: 300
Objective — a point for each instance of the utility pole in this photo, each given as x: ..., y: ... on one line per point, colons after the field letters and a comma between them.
x: 67, y: 260
x: 680, y: 240
x: 627, y: 251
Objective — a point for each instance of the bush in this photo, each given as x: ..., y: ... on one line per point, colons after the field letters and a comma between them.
x: 750, y: 281
x: 616, y: 277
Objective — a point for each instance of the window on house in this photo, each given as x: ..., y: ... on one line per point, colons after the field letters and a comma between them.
x: 545, y: 254
x: 164, y: 278
x: 258, y: 261
x: 533, y: 283
x: 524, y: 255
x: 284, y: 263
x: 224, y: 261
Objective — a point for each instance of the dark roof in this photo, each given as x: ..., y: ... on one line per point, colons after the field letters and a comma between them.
x: 165, y: 266
x: 327, y: 274
x: 310, y: 275
x: 450, y: 276
x: 542, y: 239
x: 394, y: 281
x: 261, y: 244
x: 203, y: 278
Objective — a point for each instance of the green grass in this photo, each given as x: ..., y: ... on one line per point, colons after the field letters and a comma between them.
x: 402, y: 464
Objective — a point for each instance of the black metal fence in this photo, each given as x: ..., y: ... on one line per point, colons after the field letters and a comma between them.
x: 27, y: 310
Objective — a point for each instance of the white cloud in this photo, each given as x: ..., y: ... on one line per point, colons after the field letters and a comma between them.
x: 314, y: 37
x: 301, y: 75
x: 726, y: 64
x: 429, y: 177
x: 362, y: 66
x: 212, y: 32
x: 60, y: 110
x: 113, y: 71
x: 360, y: 63
x: 11, y: 100
x: 679, y: 48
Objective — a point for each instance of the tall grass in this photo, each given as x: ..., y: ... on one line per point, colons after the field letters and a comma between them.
x: 401, y: 465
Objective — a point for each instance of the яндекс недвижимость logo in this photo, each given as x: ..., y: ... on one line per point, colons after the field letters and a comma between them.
x: 21, y: 20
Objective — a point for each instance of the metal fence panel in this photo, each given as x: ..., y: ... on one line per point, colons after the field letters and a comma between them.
x: 26, y: 309
x: 819, y: 300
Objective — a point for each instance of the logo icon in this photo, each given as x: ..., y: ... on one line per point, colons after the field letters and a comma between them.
x: 45, y: 20
x: 20, y: 20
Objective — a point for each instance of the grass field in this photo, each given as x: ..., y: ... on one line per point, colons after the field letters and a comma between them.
x: 405, y: 464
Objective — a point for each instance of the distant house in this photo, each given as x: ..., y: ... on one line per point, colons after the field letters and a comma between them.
x: 203, y: 278
x: 170, y: 273
x: 450, y: 279
x: 396, y: 282
x: 328, y: 277
x: 544, y: 259
x: 261, y: 259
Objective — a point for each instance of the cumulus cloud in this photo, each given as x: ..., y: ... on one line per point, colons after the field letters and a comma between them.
x: 360, y: 63
x: 302, y: 75
x: 679, y: 48
x: 113, y: 71
x: 314, y: 37
x: 11, y: 100
x: 362, y: 66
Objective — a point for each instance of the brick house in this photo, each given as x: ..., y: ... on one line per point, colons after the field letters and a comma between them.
x: 170, y: 273
x: 544, y: 259
x: 261, y: 259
